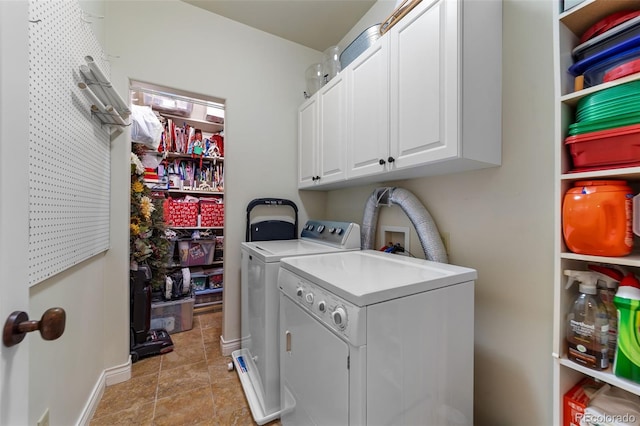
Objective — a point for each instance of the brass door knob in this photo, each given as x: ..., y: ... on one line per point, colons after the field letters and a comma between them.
x: 51, y: 326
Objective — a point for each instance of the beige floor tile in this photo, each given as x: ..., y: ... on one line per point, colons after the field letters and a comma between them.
x: 189, y: 386
x: 134, y: 392
x: 183, y: 355
x: 137, y: 415
x: 189, y: 407
x: 146, y: 366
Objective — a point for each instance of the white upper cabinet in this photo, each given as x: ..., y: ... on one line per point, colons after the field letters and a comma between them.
x: 322, y: 134
x: 425, y: 99
x: 424, y: 86
x: 368, y: 109
x: 308, y: 142
x: 332, y: 122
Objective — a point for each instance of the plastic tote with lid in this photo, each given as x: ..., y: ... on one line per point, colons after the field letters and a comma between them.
x: 597, y: 218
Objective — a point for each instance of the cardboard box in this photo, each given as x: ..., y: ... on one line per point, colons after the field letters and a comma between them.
x: 577, y: 400
x: 174, y: 316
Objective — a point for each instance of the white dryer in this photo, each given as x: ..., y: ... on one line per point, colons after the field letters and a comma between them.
x: 257, y: 362
x: 372, y: 338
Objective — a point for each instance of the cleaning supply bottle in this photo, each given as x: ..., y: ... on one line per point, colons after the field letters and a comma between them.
x: 608, y: 281
x: 587, y: 323
x: 627, y: 301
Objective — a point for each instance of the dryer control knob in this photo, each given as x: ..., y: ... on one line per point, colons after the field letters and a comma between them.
x: 322, y: 306
x: 309, y: 297
x: 339, y: 317
x: 299, y: 292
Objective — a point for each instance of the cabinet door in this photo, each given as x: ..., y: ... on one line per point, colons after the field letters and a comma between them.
x: 424, y: 85
x: 368, y: 83
x: 307, y: 142
x: 333, y: 130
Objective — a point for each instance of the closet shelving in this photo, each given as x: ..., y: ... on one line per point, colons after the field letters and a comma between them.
x: 568, y: 27
x: 194, y: 234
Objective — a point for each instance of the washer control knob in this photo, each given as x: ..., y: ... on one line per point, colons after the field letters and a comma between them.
x: 309, y: 298
x: 320, y: 228
x: 339, y: 231
x: 322, y: 306
x: 332, y: 230
x: 299, y: 292
x: 339, y: 317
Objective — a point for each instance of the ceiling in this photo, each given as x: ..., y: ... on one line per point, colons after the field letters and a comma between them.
x: 317, y: 24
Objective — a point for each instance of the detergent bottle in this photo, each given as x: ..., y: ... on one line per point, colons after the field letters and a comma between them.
x: 608, y: 281
x: 587, y: 323
x: 627, y: 301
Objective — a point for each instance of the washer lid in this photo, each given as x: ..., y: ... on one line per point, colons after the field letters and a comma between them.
x: 367, y: 277
x: 274, y: 250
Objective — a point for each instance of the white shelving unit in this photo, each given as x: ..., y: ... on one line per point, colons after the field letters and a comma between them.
x: 568, y: 26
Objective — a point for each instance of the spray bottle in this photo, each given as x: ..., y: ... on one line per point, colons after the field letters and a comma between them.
x: 587, y: 323
x: 608, y: 281
x: 627, y: 300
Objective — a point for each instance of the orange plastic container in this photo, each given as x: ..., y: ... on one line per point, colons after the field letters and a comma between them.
x: 597, y: 218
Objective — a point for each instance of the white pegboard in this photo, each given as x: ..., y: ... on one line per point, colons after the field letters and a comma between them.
x: 69, y: 155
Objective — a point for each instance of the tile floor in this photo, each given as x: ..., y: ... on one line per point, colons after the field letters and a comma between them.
x: 188, y: 386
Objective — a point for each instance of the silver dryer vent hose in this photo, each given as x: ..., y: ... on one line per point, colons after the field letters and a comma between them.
x: 420, y: 218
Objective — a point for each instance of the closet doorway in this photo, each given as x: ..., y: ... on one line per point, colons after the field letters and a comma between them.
x: 184, y: 174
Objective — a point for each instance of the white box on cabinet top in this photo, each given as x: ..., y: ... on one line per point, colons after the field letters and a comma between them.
x: 425, y: 99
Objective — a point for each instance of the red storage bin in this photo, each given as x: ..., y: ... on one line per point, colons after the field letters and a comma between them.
x: 211, y: 212
x: 619, y: 147
x: 181, y: 213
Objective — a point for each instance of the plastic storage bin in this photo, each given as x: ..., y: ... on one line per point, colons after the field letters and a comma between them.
x: 608, y: 39
x: 174, y: 316
x: 595, y: 75
x: 216, y: 278
x: 199, y: 281
x: 196, y: 253
x: 617, y: 147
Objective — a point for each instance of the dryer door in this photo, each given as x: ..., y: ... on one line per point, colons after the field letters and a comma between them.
x: 313, y: 369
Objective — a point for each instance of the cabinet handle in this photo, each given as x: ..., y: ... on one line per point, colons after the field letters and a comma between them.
x: 381, y: 162
x: 391, y: 159
x: 314, y: 178
x: 288, y: 341
x: 317, y: 177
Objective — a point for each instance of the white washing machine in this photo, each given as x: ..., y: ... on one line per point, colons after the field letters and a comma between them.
x: 257, y: 362
x: 372, y: 338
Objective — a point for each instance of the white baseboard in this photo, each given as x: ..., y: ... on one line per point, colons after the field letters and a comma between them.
x: 228, y: 346
x: 109, y: 377
x: 118, y: 374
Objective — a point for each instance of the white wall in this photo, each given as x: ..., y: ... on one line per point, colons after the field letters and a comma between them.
x: 500, y: 221
x: 64, y: 372
x: 260, y: 76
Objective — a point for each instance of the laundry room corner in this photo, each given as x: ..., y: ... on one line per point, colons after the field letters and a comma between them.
x: 499, y: 221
